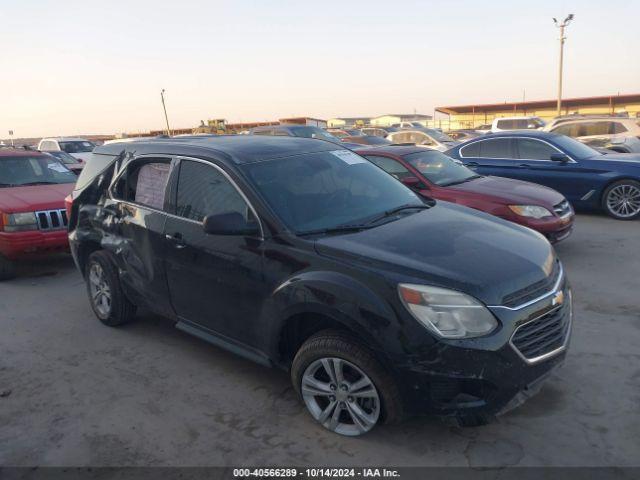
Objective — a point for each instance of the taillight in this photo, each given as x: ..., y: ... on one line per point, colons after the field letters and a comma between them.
x: 68, y: 203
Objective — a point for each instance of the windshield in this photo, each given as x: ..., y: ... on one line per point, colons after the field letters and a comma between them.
x: 64, y: 157
x: 575, y: 148
x: 19, y: 171
x: 439, y: 168
x: 355, y: 133
x: 77, y: 146
x: 327, y: 189
x: 314, y: 132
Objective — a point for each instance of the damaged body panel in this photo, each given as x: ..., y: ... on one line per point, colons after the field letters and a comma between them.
x: 260, y: 244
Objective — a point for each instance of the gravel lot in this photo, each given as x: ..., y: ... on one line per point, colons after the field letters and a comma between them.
x: 73, y: 392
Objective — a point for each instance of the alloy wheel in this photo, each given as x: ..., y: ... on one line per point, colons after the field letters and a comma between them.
x: 340, y: 396
x: 100, y: 291
x: 624, y: 201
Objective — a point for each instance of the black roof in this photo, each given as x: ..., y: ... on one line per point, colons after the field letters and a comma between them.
x: 237, y: 148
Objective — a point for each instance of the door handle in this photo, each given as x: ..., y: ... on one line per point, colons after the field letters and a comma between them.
x: 176, y: 239
x: 523, y: 165
x: 472, y: 164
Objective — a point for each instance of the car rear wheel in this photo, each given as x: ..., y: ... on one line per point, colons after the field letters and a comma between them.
x: 107, y: 299
x: 7, y: 268
x: 343, y: 386
x: 621, y: 200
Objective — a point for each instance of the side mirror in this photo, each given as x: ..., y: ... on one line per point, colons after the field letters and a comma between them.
x: 412, y: 182
x: 228, y: 223
x: 559, y: 157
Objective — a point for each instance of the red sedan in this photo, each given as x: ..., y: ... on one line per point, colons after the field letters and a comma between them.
x: 33, y: 220
x: 435, y: 175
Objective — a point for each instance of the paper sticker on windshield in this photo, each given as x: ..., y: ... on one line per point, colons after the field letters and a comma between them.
x: 348, y: 157
x: 58, y: 167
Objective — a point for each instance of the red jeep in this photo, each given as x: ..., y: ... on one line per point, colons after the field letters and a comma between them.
x: 33, y: 219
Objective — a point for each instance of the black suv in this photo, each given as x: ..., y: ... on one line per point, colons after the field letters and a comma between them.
x: 299, y: 254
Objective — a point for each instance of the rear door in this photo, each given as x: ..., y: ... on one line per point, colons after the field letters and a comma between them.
x: 493, y: 156
x: 215, y: 281
x: 137, y: 229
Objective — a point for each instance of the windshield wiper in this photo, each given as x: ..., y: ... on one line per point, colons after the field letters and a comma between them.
x: 458, y: 182
x: 393, y: 211
x: 338, y: 229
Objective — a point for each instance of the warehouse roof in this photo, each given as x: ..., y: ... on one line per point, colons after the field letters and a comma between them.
x: 540, y: 104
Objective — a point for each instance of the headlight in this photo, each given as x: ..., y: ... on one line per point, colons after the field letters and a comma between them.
x: 18, y: 222
x: 530, y: 211
x: 447, y: 313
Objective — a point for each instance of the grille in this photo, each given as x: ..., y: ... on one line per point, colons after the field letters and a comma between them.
x: 544, y: 334
x: 52, y: 219
x: 562, y: 209
x: 533, y: 291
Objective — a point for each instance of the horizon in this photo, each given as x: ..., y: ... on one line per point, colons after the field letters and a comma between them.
x: 100, y: 71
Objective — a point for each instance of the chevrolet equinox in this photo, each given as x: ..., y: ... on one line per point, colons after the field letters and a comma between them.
x: 299, y: 254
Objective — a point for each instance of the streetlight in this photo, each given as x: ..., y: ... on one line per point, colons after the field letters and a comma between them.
x: 165, y: 112
x: 561, y: 26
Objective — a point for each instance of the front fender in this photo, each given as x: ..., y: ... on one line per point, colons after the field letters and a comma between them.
x: 337, y: 296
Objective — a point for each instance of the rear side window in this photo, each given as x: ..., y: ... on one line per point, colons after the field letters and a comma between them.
x: 95, y: 166
x: 494, y: 148
x: 203, y: 190
x: 596, y: 128
x: 144, y: 182
x: 505, y: 124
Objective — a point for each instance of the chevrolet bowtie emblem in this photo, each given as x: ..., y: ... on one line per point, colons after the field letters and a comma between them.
x: 558, y: 298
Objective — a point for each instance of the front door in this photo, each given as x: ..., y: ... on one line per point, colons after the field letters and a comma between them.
x: 215, y: 281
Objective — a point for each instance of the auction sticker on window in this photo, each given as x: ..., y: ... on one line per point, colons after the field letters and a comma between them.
x: 348, y: 157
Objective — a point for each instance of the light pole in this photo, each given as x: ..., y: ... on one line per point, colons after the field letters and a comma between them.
x: 561, y: 26
x: 165, y: 112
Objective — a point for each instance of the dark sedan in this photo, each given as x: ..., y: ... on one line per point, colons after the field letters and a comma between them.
x: 586, y: 177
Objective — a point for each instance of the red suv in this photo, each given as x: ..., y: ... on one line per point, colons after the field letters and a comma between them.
x: 33, y: 219
x: 435, y: 175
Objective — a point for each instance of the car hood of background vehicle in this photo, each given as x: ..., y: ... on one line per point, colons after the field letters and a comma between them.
x: 33, y: 198
x: 508, y: 191
x: 631, y: 158
x: 450, y: 246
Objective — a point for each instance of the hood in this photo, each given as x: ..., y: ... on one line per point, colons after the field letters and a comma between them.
x: 632, y: 158
x: 508, y: 191
x: 449, y: 246
x: 34, y: 198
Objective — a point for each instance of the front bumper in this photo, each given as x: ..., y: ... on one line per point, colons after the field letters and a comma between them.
x: 490, y: 375
x: 18, y: 245
x: 555, y: 229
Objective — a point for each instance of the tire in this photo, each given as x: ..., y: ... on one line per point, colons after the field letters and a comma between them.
x: 7, y: 268
x: 111, y: 306
x: 621, y: 200
x: 367, y: 395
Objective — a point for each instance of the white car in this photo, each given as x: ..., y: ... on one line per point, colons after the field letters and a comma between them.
x: 505, y: 124
x: 619, y: 134
x: 79, y: 148
x: 425, y: 137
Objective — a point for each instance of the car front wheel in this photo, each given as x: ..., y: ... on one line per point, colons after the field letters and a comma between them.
x: 343, y: 386
x: 7, y: 268
x: 107, y: 299
x: 621, y: 200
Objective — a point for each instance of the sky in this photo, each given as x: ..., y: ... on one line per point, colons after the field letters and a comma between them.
x: 79, y: 67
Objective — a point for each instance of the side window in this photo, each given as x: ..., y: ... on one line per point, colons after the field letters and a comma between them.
x: 263, y: 132
x: 280, y: 133
x: 568, y: 130
x: 618, y: 128
x: 531, y: 149
x: 596, y: 128
x: 203, y: 190
x: 390, y: 166
x: 144, y: 182
x: 471, y: 150
x: 505, y: 124
x: 495, y: 148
